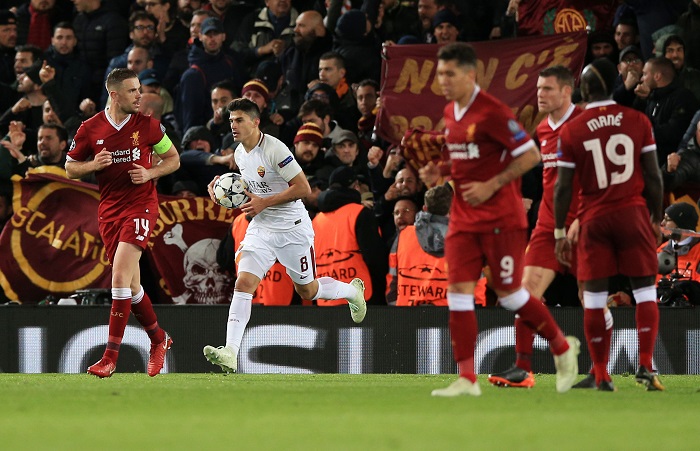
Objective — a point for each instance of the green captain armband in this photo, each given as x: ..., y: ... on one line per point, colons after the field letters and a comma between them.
x: 163, y: 145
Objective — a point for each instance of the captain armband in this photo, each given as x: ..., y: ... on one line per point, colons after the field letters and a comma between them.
x: 559, y: 233
x: 163, y: 145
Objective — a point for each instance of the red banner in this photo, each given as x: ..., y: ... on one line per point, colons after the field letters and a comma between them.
x: 52, y: 246
x: 183, y: 249
x: 508, y: 69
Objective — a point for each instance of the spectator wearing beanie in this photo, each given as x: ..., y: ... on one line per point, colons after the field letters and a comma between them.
x: 677, y: 218
x: 446, y: 27
x: 8, y: 41
x: 307, y: 148
x: 256, y: 91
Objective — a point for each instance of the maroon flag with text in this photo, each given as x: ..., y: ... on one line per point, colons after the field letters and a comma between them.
x: 51, y: 245
x: 183, y: 249
x: 508, y: 69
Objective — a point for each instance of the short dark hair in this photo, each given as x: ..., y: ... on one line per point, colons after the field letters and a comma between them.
x: 60, y: 131
x: 141, y: 15
x: 369, y: 82
x: 227, y: 85
x: 321, y: 108
x: 562, y: 74
x: 118, y: 76
x: 37, y: 53
x: 674, y: 38
x: 63, y: 24
x: 664, y: 66
x: 247, y: 106
x: 339, y: 60
x: 460, y: 52
x: 630, y: 21
x: 438, y: 199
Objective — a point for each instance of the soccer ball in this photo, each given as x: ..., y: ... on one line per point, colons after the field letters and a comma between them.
x: 228, y: 190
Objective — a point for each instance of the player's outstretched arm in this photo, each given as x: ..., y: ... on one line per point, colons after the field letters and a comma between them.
x: 80, y: 169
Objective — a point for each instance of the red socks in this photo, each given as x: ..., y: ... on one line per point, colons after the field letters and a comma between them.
x: 647, y: 316
x: 524, y: 339
x: 119, y: 316
x: 537, y: 316
x: 464, y: 330
x: 598, y: 342
x: 143, y: 311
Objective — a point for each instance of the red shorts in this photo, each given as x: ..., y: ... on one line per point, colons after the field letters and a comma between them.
x: 622, y: 242
x: 135, y: 229
x: 467, y: 253
x: 540, y: 252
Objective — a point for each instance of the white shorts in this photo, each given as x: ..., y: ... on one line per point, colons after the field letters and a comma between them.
x: 294, y: 249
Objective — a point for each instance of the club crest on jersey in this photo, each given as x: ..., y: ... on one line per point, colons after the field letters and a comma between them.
x: 261, y: 171
x: 285, y: 162
x: 470, y: 132
x: 135, y: 139
x: 515, y: 130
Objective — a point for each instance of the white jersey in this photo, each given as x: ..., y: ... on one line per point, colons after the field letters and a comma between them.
x: 267, y: 169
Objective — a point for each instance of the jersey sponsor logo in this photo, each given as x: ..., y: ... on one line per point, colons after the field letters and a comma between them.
x: 126, y: 156
x: 135, y: 139
x: 99, y: 142
x: 261, y: 171
x: 464, y: 151
x: 285, y: 162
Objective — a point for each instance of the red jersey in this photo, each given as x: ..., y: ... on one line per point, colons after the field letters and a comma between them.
x: 548, y: 135
x: 604, y: 144
x: 130, y: 142
x: 481, y: 141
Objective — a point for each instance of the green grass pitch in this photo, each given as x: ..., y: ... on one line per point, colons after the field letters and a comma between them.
x: 337, y: 412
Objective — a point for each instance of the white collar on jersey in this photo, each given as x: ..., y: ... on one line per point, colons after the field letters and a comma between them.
x: 600, y: 103
x: 459, y: 114
x: 114, y: 124
x: 563, y: 119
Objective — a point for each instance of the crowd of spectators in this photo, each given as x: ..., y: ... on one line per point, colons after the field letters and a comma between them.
x: 313, y: 68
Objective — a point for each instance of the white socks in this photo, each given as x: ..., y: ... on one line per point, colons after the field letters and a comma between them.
x: 238, y: 316
x: 329, y: 288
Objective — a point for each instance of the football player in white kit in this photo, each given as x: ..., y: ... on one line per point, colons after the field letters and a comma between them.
x: 280, y: 229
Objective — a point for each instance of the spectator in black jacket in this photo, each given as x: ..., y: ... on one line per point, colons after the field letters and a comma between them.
x: 343, y: 189
x: 209, y: 64
x: 684, y: 166
x: 8, y: 41
x: 102, y: 34
x: 630, y: 74
x: 37, y: 18
x: 669, y: 105
x: 300, y: 61
x: 72, y: 74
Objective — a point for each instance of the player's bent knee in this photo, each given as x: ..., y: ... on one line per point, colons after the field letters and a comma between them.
x: 247, y: 282
x: 307, y: 291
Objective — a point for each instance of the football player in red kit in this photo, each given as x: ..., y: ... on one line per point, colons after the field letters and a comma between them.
x: 117, y: 145
x: 612, y: 150
x: 489, y: 151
